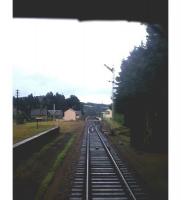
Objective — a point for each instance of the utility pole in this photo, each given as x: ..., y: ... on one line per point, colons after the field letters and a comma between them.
x: 17, y: 105
x: 54, y: 112
x: 113, y: 77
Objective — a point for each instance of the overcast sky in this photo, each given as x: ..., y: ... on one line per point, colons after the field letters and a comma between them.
x: 68, y: 56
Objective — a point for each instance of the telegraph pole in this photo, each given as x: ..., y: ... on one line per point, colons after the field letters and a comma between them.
x: 17, y: 105
x: 54, y: 112
x: 17, y: 96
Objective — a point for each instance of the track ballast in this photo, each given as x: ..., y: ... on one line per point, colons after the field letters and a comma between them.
x: 100, y: 174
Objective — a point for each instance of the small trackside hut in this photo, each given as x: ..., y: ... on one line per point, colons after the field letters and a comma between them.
x: 72, y: 114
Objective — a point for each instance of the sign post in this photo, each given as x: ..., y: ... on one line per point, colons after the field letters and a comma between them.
x: 38, y: 119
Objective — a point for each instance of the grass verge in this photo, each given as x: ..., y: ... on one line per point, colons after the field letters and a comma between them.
x: 48, y: 178
x: 33, y: 162
x: 31, y: 172
x: 23, y: 131
x: 152, y: 168
x: 115, y: 127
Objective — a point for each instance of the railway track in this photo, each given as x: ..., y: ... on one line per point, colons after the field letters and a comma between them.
x: 100, y: 174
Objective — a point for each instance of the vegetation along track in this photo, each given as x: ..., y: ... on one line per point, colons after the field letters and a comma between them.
x: 100, y: 174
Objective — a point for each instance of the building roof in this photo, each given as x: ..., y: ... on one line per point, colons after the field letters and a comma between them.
x: 55, y: 112
x: 38, y: 111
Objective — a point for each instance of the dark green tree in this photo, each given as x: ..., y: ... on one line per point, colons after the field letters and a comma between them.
x: 60, y: 102
x: 141, y: 92
x: 48, y: 101
x: 26, y: 104
x: 73, y: 102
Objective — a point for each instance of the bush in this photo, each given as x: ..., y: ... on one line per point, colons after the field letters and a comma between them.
x: 20, y: 118
x: 119, y: 118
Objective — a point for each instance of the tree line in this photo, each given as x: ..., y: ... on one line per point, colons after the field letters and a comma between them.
x: 24, y: 105
x: 142, y: 92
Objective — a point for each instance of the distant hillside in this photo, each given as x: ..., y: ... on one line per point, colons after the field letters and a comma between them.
x: 92, y: 109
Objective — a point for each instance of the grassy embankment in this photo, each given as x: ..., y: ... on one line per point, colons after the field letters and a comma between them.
x: 23, y: 131
x: 33, y: 177
x: 48, y: 178
x: 151, y: 167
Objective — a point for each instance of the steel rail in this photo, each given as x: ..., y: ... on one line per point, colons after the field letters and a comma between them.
x: 116, y: 166
x: 87, y: 165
